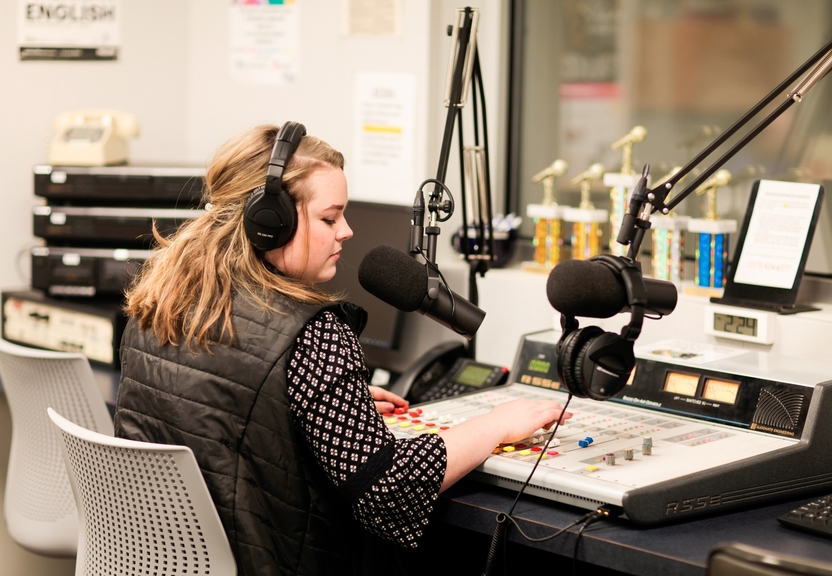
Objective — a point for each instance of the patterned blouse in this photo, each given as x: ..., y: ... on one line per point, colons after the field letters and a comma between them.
x: 391, y: 484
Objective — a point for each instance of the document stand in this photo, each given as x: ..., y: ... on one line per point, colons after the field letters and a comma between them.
x: 773, y: 247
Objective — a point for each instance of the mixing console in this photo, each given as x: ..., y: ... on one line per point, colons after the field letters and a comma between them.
x: 697, y: 430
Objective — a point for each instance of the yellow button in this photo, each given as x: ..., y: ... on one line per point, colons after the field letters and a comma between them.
x: 508, y: 448
x: 419, y: 427
x: 525, y: 452
x: 591, y: 468
x: 391, y: 420
x: 404, y: 424
x: 433, y: 430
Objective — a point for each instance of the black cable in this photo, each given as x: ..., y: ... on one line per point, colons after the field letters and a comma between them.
x: 500, y: 529
x: 594, y: 518
x: 537, y: 461
x: 434, y: 199
x: 477, y: 76
x: 599, y: 514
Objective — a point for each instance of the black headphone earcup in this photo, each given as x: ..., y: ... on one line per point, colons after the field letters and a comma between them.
x: 569, y: 349
x: 269, y: 220
x: 603, y: 365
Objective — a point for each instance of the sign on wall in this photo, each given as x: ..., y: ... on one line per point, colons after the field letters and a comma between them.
x: 382, y: 169
x: 264, y: 41
x: 69, y: 29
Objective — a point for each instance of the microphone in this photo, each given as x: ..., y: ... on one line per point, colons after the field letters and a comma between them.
x: 591, y: 289
x: 397, y: 279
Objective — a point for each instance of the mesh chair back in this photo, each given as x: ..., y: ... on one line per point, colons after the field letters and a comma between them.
x: 39, y: 507
x: 144, y: 508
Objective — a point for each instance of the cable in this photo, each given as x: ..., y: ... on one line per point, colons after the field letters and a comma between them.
x: 537, y: 461
x: 500, y: 529
x: 599, y: 514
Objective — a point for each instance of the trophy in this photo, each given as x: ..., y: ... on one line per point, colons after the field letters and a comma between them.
x: 586, y: 219
x: 547, y: 219
x: 620, y: 184
x: 713, y: 235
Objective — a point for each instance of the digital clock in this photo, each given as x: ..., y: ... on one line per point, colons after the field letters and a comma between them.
x: 740, y: 323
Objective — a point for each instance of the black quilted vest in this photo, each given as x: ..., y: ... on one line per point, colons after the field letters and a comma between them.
x: 282, y: 515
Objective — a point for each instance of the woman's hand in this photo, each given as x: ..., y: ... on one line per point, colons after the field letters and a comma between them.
x: 522, y: 417
x: 469, y: 443
x: 386, y: 401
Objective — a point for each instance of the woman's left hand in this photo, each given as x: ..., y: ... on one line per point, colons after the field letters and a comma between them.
x: 385, y: 400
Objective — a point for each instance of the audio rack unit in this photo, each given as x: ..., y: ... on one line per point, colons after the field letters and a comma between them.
x: 85, y: 272
x: 96, y: 224
x: 94, y: 329
x: 127, y: 185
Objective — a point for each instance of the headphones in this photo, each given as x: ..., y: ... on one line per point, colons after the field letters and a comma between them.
x: 596, y: 364
x: 270, y: 217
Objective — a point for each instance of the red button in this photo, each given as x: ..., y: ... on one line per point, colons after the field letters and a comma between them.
x: 399, y: 411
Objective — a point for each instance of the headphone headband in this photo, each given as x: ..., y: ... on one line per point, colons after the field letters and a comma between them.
x: 287, y: 141
x: 270, y: 217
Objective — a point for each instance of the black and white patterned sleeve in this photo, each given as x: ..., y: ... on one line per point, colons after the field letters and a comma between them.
x: 391, y: 484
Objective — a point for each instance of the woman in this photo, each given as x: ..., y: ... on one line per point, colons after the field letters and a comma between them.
x: 234, y: 352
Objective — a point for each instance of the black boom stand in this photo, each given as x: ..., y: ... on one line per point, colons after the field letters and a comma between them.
x: 643, y: 202
x: 463, y: 72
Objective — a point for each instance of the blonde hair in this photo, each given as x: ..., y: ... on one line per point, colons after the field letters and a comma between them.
x: 185, y: 290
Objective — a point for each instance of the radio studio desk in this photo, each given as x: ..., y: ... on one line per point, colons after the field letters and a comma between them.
x: 466, y: 513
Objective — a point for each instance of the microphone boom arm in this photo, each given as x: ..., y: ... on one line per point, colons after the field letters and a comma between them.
x: 822, y: 62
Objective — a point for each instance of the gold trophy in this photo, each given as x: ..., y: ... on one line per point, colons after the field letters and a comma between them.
x: 712, y: 240
x: 586, y: 219
x: 547, y: 220
x: 620, y: 184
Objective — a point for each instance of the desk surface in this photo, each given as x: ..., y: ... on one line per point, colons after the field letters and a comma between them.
x: 676, y: 549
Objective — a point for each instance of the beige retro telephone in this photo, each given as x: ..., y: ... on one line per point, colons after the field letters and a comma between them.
x: 94, y: 137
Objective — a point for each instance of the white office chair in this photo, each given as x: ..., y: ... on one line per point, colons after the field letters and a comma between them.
x: 143, y: 508
x: 39, y: 506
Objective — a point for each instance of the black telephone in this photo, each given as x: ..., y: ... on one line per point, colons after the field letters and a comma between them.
x: 444, y: 371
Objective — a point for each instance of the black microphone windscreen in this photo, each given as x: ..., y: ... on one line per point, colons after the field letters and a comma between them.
x: 393, y: 277
x: 584, y: 288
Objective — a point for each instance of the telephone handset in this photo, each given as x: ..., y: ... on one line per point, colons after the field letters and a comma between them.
x: 92, y: 137
x: 444, y: 371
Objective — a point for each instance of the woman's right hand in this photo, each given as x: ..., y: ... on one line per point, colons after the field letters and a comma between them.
x: 520, y: 418
x: 469, y: 443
